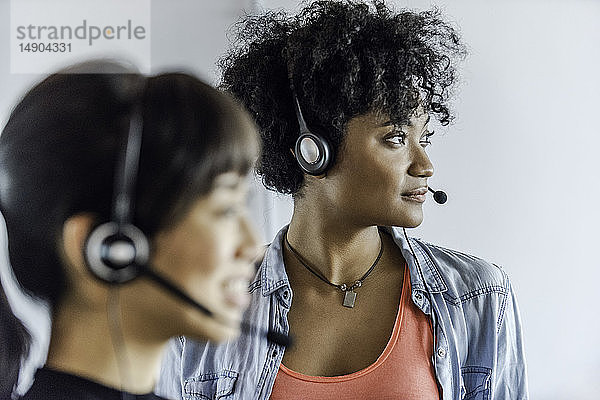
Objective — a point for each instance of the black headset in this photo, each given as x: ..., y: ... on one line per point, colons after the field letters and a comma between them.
x: 116, y: 251
x: 312, y: 151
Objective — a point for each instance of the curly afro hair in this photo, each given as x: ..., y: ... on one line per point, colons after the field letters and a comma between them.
x: 344, y: 59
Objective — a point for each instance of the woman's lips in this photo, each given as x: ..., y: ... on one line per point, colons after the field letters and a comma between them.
x: 417, y: 195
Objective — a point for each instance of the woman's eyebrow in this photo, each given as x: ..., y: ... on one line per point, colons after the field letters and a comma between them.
x: 391, y: 123
x: 227, y: 181
x: 424, y: 124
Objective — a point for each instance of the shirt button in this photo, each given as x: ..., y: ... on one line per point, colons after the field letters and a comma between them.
x: 286, y: 295
x: 418, y: 297
x: 441, y: 352
x: 274, y: 354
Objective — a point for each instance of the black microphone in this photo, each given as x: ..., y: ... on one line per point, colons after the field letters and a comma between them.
x: 439, y: 196
x: 274, y: 337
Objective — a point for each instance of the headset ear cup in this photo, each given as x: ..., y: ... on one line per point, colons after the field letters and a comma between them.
x: 115, y: 255
x: 313, y: 153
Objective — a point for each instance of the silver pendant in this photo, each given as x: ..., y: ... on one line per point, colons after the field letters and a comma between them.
x: 349, y: 299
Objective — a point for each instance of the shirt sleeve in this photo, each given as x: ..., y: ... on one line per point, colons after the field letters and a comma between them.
x: 510, y: 380
x: 170, y: 378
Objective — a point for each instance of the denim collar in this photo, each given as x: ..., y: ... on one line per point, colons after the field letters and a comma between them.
x: 424, y: 272
x: 273, y: 276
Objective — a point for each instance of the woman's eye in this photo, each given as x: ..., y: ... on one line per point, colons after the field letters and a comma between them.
x: 228, y: 212
x: 396, y: 137
x: 425, y: 139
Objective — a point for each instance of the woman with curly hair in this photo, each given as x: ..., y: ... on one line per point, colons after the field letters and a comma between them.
x: 343, y: 93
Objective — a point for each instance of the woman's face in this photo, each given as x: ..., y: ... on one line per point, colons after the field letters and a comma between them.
x: 209, y: 255
x: 380, y: 176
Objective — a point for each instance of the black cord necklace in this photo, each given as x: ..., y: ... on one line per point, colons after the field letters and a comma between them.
x: 347, y: 289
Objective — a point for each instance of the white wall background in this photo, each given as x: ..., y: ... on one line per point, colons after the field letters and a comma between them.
x: 520, y: 164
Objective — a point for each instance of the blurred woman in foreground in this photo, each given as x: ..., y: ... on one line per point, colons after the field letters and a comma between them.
x: 69, y: 171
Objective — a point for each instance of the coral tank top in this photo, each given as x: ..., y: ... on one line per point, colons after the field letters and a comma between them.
x: 403, y: 371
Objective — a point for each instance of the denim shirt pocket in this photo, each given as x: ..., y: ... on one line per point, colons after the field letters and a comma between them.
x: 475, y: 383
x: 210, y: 386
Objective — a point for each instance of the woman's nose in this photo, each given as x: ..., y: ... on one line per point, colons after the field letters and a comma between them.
x: 249, y: 246
x: 421, y: 165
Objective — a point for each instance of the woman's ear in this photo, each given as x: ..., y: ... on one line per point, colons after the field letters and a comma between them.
x: 75, y: 232
x: 83, y: 288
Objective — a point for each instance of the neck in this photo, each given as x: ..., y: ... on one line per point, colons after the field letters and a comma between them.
x: 338, y: 249
x: 84, y: 344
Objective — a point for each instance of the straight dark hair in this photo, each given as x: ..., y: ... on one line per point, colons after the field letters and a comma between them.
x: 58, y: 154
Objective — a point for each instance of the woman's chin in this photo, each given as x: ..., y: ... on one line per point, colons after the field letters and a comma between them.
x: 411, y: 220
x: 414, y: 223
x: 215, y: 333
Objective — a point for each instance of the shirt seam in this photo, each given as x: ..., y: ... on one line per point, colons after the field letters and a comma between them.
x: 439, y: 287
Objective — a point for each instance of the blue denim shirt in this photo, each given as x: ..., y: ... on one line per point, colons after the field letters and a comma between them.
x: 478, y: 352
